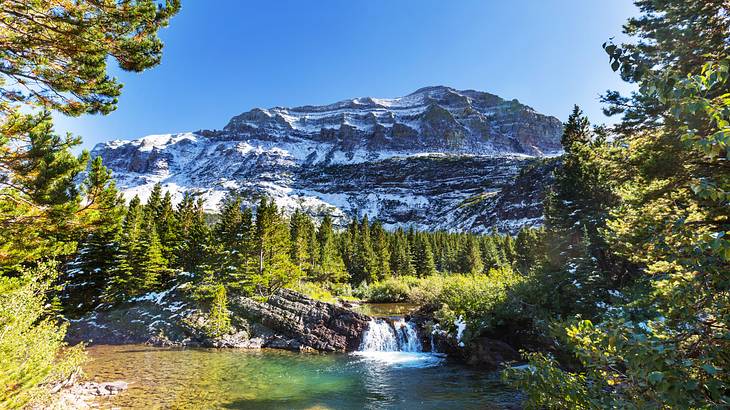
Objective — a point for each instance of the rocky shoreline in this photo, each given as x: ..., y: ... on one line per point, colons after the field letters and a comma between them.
x: 287, y: 320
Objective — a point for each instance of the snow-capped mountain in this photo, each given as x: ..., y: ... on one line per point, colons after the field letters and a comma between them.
x: 438, y: 158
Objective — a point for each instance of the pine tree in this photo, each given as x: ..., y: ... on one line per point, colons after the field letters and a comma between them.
x: 400, y: 255
x: 194, y: 236
x: 362, y: 265
x: 490, y: 254
x: 153, y: 207
x: 219, y: 320
x: 247, y: 249
x: 301, y: 233
x: 424, y: 261
x: 167, y: 229
x: 122, y: 284
x: 331, y: 267
x: 529, y: 250
x: 92, y: 267
x: 227, y: 237
x: 276, y: 269
x: 381, y: 251
x: 151, y: 265
x: 471, y: 257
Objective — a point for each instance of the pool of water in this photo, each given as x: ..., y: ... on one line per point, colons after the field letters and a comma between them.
x: 385, y: 309
x: 271, y: 379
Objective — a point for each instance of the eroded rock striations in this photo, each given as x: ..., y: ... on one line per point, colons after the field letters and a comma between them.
x: 321, y: 326
x: 438, y: 158
x: 287, y: 320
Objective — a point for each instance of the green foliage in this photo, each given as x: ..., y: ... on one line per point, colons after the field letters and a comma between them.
x: 324, y: 291
x: 390, y: 290
x: 484, y: 301
x: 88, y: 274
x: 33, y: 356
x: 546, y: 386
x: 59, y: 50
x: 193, y: 235
x: 219, y: 320
x: 39, y: 201
x: 54, y: 57
x: 664, y: 342
x: 331, y: 267
x: 273, y: 245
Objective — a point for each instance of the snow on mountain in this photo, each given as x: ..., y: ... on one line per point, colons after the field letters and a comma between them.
x: 435, y: 159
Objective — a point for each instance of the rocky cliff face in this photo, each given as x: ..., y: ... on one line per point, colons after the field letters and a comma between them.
x: 437, y: 158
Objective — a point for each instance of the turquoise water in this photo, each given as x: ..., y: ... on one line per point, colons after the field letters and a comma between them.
x: 271, y: 379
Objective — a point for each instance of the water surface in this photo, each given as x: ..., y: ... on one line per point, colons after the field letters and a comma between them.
x: 273, y: 379
x: 385, y: 309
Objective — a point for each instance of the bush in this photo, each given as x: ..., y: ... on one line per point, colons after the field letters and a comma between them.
x: 483, y: 301
x: 325, y: 292
x: 33, y: 356
x: 391, y: 290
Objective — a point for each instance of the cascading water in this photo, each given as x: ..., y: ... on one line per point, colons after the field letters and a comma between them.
x: 386, y: 336
x: 395, y: 342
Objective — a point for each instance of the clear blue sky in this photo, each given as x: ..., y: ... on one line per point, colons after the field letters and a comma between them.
x: 225, y: 57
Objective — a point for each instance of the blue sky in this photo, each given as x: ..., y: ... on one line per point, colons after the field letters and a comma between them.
x: 225, y: 57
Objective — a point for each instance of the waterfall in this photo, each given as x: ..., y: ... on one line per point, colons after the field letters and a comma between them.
x: 384, y: 335
x: 395, y: 343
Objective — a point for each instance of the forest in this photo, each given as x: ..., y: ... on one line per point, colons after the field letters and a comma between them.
x: 621, y: 299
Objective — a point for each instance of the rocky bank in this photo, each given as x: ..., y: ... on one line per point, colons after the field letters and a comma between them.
x: 287, y: 320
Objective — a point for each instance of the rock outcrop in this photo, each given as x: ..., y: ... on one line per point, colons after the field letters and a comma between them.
x: 314, y: 324
x: 287, y: 320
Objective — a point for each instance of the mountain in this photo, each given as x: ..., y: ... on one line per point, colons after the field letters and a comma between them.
x: 438, y: 158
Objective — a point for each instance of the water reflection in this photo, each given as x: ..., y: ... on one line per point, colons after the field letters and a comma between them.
x: 206, y: 378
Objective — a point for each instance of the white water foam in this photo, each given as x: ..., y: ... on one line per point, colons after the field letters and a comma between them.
x: 395, y: 343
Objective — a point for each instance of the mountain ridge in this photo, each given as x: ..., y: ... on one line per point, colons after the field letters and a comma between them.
x: 359, y: 156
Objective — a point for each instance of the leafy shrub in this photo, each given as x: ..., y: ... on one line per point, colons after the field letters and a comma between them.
x: 33, y: 356
x: 483, y: 301
x: 391, y: 290
x: 326, y: 292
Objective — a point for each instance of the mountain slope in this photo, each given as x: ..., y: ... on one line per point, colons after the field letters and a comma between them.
x: 437, y: 159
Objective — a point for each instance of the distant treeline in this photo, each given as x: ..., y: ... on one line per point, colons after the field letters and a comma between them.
x: 143, y: 247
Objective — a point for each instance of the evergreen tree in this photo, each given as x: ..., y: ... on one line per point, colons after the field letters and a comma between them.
x: 331, y: 267
x: 471, y: 257
x: 151, y: 265
x: 219, y: 320
x: 123, y: 283
x: 227, y: 238
x: 401, y: 263
x: 90, y: 270
x: 381, y: 251
x: 167, y: 230
x: 153, y: 207
x: 194, y: 235
x: 424, y: 261
x: 490, y: 255
x: 273, y: 246
x: 301, y: 234
x: 529, y: 250
x: 247, y: 249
